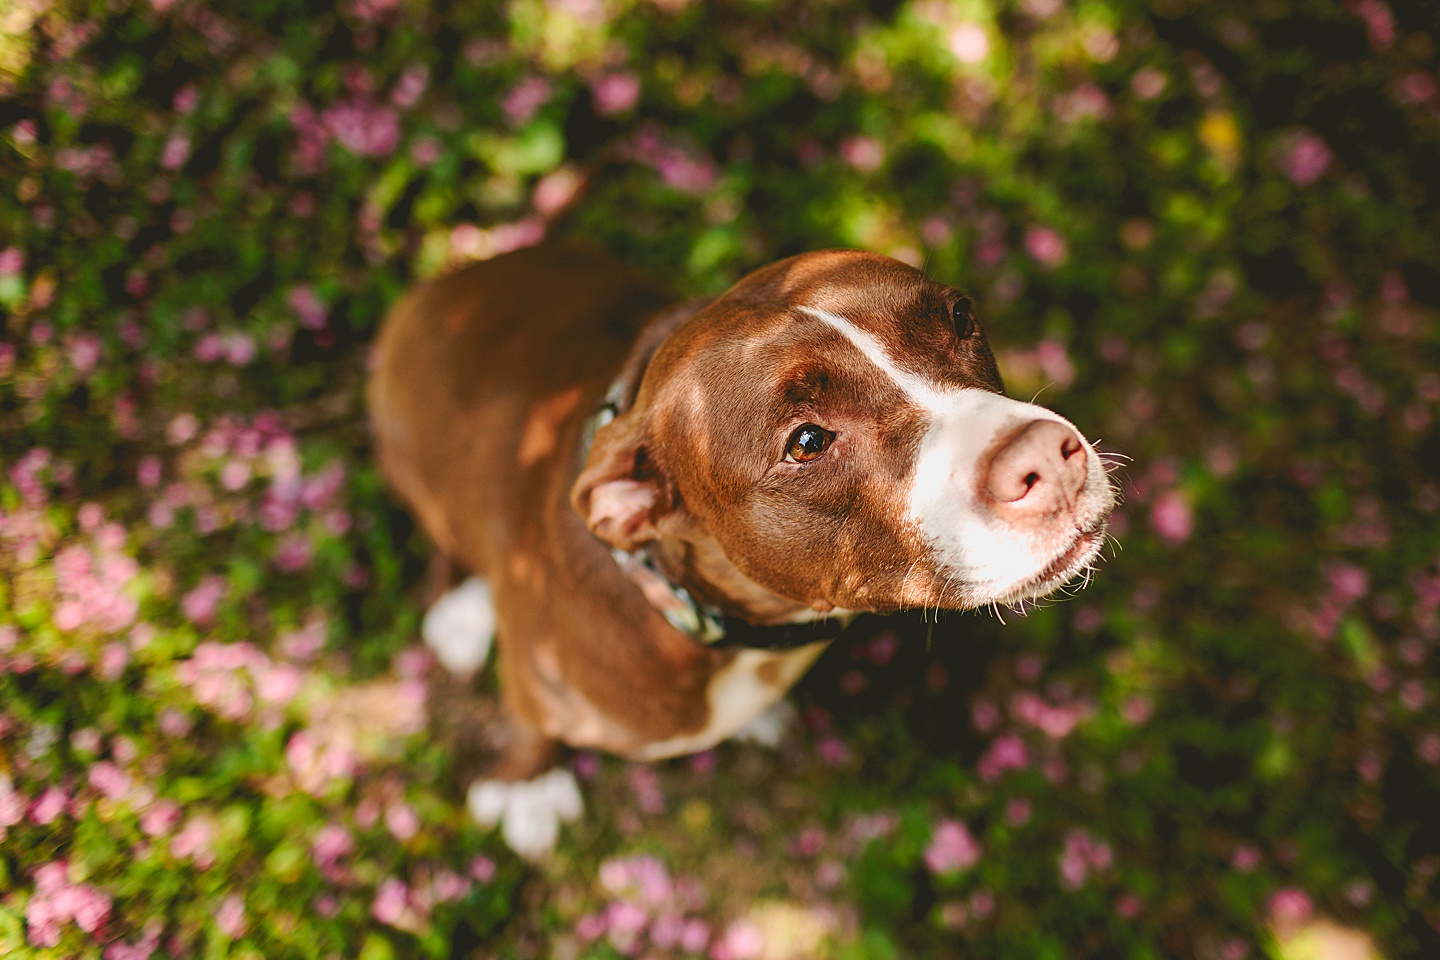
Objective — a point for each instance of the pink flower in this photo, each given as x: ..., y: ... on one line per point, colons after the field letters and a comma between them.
x: 1304, y: 157
x: 278, y: 684
x: 375, y: 11
x: 392, y: 905
x: 85, y: 353
x: 230, y: 917
x: 640, y: 875
x: 159, y: 818
x: 648, y: 795
x: 401, y: 820
x: 57, y: 901
x: 591, y: 927
x: 951, y: 848
x: 679, y: 167
x: 199, y: 605
x: 1245, y: 858
x: 113, y: 659
x: 1379, y: 21
x: 108, y: 779
x: 1006, y: 753
x: 695, y: 935
x: 742, y: 941
x: 1082, y: 854
x: 865, y: 154
x: 449, y: 885
x: 482, y: 869
x: 176, y: 152
x: 1046, y: 247
x: 411, y: 85
x: 239, y: 349
x: 317, y: 763
x: 307, y: 307
x: 425, y: 151
x: 525, y: 99
x: 12, y: 261
x: 985, y: 715
x: 193, y: 842
x: 1017, y: 812
x: 364, y: 128
x: 1415, y: 87
x: 624, y: 917
x: 1348, y: 582
x: 173, y: 723
x: 47, y: 806
x: 12, y: 805
x: 293, y: 553
x: 666, y: 931
x: 1289, y: 907
x: 1171, y: 517
x: 311, y: 138
x: 1055, y: 362
x: 186, y: 99
x: 304, y: 643
x: 832, y: 751
x: 332, y: 842
x: 615, y: 92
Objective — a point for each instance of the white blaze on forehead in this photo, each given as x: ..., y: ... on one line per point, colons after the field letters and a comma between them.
x: 980, y: 551
x: 925, y: 394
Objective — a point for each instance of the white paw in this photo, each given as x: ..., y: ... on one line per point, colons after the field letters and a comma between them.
x: 460, y: 626
x: 529, y: 811
x: 770, y: 727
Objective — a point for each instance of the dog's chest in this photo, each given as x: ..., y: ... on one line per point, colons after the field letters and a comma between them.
x: 748, y: 686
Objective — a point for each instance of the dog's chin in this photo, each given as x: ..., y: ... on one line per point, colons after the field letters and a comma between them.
x: 1059, y: 570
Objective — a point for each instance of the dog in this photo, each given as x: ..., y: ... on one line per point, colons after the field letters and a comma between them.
x: 668, y: 509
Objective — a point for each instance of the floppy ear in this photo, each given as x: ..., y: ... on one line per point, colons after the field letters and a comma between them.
x: 621, y: 492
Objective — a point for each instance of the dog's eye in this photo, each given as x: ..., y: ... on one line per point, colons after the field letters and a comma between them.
x: 963, y: 313
x: 808, y: 442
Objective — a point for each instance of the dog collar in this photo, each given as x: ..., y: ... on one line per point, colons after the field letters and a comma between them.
x: 701, y: 622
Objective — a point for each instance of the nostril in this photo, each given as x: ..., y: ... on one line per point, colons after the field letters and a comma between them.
x: 1038, y: 468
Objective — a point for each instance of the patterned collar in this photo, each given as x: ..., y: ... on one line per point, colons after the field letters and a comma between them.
x: 703, y: 623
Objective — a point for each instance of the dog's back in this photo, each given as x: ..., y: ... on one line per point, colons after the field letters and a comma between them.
x: 475, y: 371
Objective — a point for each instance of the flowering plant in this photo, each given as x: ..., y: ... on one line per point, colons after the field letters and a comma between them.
x: 1206, y: 229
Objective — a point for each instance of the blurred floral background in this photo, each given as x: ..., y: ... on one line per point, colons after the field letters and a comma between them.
x: 1206, y: 231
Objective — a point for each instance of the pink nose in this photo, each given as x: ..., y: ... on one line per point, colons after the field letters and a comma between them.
x: 1040, y: 471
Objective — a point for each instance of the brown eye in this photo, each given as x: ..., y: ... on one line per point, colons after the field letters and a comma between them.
x: 963, y: 313
x: 807, y: 443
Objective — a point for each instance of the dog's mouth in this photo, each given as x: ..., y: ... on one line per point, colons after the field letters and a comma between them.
x: 1063, y: 568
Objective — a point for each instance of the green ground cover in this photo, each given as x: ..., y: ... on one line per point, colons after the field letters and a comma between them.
x: 1207, y: 232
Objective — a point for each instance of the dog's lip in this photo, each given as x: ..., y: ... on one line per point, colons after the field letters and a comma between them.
x: 1065, y: 564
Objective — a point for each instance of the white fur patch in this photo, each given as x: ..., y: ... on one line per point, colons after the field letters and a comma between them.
x: 977, y: 548
x: 529, y: 811
x: 738, y: 695
x: 460, y: 626
x: 770, y: 727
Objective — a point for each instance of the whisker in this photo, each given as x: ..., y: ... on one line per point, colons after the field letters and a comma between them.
x: 1042, y: 390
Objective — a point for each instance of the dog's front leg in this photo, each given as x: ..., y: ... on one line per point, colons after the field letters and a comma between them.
x: 508, y: 762
x: 524, y: 792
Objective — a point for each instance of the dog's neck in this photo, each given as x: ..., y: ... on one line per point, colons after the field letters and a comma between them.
x: 702, y: 567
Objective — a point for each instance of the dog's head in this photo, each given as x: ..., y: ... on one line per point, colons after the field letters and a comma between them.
x: 836, y: 424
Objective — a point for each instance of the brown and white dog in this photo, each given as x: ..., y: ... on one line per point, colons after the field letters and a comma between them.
x: 670, y: 509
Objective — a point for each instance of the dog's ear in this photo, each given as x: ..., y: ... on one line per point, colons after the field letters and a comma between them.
x: 622, y: 491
